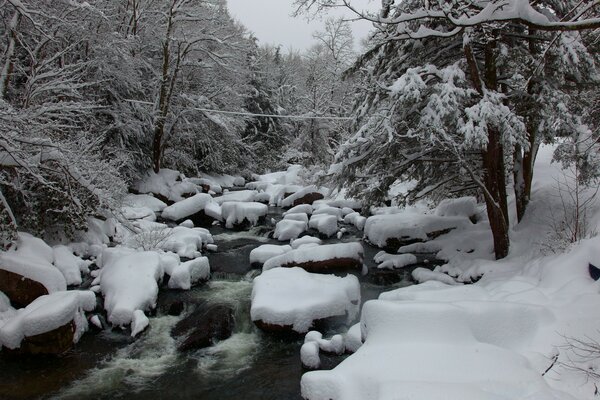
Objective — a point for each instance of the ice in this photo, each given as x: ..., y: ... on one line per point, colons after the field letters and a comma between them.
x: 316, y: 254
x: 186, y: 274
x: 296, y: 298
x: 461, y: 207
x: 236, y: 213
x: 305, y: 240
x: 237, y: 196
x: 69, y: 264
x: 129, y: 282
x: 262, y: 253
x: 193, y: 205
x: 47, y: 313
x: 287, y: 229
x: 32, y: 258
x: 325, y: 224
x: 392, y: 261
x: 139, y: 323
x: 423, y: 275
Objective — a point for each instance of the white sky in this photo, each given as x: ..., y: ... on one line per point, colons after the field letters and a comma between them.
x: 270, y: 22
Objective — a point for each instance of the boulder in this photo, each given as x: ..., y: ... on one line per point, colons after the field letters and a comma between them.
x: 54, y: 342
x: 204, y: 326
x: 20, y: 290
x: 308, y: 198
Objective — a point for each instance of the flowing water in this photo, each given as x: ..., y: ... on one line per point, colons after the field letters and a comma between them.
x: 248, y: 365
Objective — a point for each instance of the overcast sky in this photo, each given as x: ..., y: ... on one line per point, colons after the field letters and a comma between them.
x: 271, y: 22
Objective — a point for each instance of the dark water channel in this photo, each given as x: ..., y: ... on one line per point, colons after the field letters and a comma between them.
x: 249, y: 365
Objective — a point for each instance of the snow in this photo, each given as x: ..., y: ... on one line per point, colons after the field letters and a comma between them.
x: 315, y: 254
x: 289, y: 201
x: 69, y: 264
x: 392, y: 261
x: 139, y: 323
x: 224, y: 180
x: 287, y: 229
x: 47, y: 313
x: 129, y: 282
x: 186, y: 274
x: 95, y: 320
x: 144, y: 201
x: 355, y: 219
x: 424, y: 275
x: 305, y: 240
x: 336, y: 212
x: 296, y: 298
x: 324, y: 223
x: 262, y: 253
x: 133, y: 213
x: 353, y: 339
x: 461, y: 207
x: 297, y: 217
x: 193, y: 205
x: 237, y: 212
x: 167, y: 183
x: 32, y: 258
x: 380, y: 228
x: 237, y: 196
x: 309, y: 355
x: 300, y: 209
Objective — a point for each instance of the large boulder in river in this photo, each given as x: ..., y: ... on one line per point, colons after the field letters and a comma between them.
x: 339, y: 257
x: 204, y: 326
x: 200, y: 208
x: 308, y: 195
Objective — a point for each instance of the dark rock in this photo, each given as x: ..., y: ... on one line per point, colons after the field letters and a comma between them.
x: 200, y: 219
x: 328, y: 266
x: 20, y: 290
x: 204, y: 326
x: 308, y: 198
x: 176, y: 308
x: 594, y: 272
x: 288, y: 332
x: 55, y: 342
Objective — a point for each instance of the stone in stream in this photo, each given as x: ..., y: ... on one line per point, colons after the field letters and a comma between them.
x: 54, y: 342
x: 204, y: 326
x: 20, y: 290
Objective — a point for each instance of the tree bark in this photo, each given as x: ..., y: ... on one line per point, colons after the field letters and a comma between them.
x: 9, y: 54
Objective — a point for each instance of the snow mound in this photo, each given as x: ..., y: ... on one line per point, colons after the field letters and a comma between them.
x: 300, y: 209
x: 287, y: 229
x: 193, y: 205
x: 296, y: 298
x: 69, y: 264
x: 409, y: 226
x: 424, y: 275
x: 461, y: 207
x: 392, y: 261
x: 325, y: 224
x: 355, y: 219
x: 186, y: 274
x: 327, y: 210
x: 262, y: 253
x: 329, y: 252
x: 32, y: 258
x: 297, y: 217
x: 47, y: 313
x: 236, y: 213
x: 305, y: 240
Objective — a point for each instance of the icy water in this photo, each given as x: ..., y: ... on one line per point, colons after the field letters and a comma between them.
x: 249, y: 365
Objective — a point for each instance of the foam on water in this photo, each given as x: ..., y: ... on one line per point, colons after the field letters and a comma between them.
x: 229, y: 357
x: 133, y: 366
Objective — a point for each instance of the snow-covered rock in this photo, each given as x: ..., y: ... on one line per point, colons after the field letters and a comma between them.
x: 305, y: 240
x: 186, y: 274
x: 331, y: 257
x: 325, y: 224
x: 46, y: 314
x: 133, y: 213
x: 291, y: 298
x: 69, y: 264
x: 237, y: 213
x: 297, y: 217
x: 424, y: 275
x: 355, y: 219
x: 336, y: 212
x: 237, y: 196
x: 307, y: 195
x: 144, y: 201
x: 461, y: 207
x: 287, y: 229
x: 393, y: 261
x: 300, y: 209
x: 261, y: 254
x: 199, y: 203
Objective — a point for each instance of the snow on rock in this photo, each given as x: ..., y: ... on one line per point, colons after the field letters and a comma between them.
x: 129, y: 282
x: 167, y: 184
x: 144, y: 201
x: 392, y: 261
x: 261, y: 254
x: 335, y: 345
x: 461, y: 207
x: 287, y: 229
x: 69, y: 264
x: 353, y: 339
x: 404, y: 228
x: 306, y: 195
x: 327, y: 210
x: 293, y: 298
x: 187, y: 242
x: 355, y: 219
x: 309, y: 355
x: 324, y: 258
x: 139, y: 323
x: 325, y: 224
x: 188, y: 223
x: 31, y: 258
x: 300, y: 209
x: 236, y: 213
x: 206, y: 183
x: 133, y: 213
x: 305, y: 240
x: 186, y: 274
x: 200, y: 202
x: 237, y: 196
x: 297, y: 217
x: 47, y: 313
x: 424, y: 275
x: 224, y: 180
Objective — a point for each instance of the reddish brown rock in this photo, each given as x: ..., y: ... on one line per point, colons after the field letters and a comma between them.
x: 20, y: 290
x: 328, y: 266
x: 55, y: 342
x: 308, y: 198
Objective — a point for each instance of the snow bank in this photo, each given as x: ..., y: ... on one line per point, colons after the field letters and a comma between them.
x: 461, y: 207
x: 69, y: 264
x: 409, y: 226
x: 287, y: 229
x: 391, y: 261
x: 236, y: 212
x: 262, y: 253
x: 186, y: 274
x: 296, y: 298
x: 329, y: 252
x: 32, y: 258
x: 325, y: 224
x: 193, y: 205
x: 47, y: 313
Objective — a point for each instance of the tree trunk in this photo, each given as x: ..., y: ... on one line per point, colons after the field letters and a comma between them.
x: 9, y: 54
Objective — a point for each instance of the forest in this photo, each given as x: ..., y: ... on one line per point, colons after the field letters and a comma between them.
x: 176, y: 195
